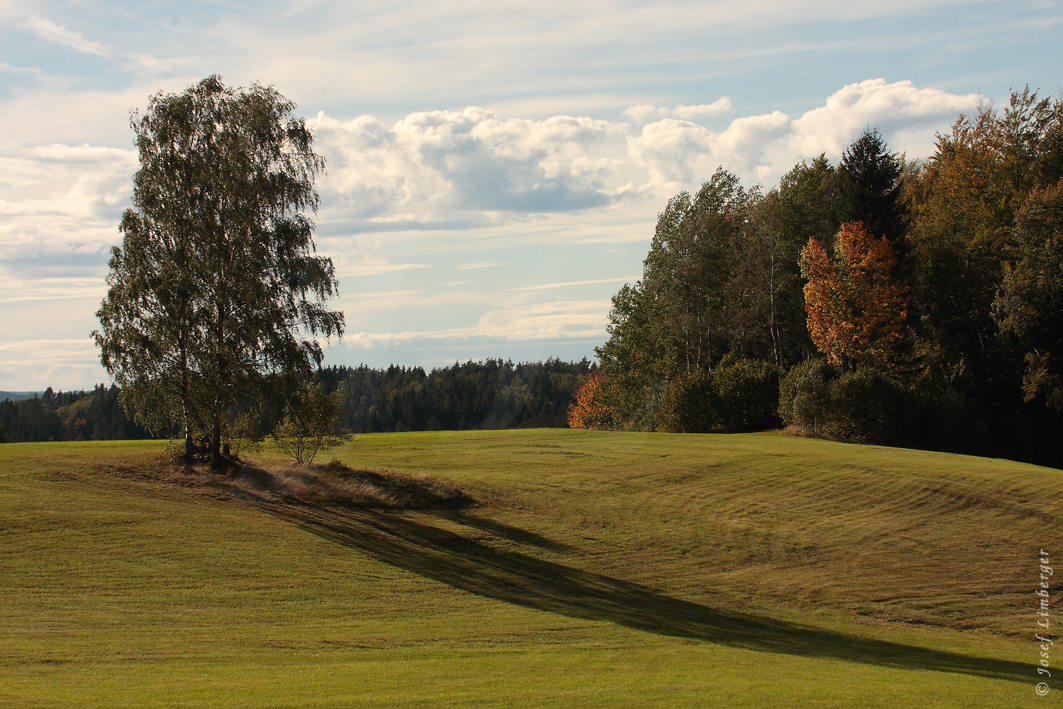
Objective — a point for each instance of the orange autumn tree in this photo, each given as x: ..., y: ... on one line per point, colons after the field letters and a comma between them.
x: 589, y: 411
x: 855, y: 310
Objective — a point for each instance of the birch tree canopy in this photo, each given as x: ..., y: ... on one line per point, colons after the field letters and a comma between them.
x: 216, y: 292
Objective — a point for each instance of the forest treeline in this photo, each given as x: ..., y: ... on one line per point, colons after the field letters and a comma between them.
x: 491, y: 394
x: 878, y: 300
x: 95, y: 415
x: 487, y: 395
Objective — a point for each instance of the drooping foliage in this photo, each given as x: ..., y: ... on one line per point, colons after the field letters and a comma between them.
x: 215, y: 293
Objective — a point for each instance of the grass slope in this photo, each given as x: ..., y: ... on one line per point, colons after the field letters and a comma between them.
x: 595, y: 569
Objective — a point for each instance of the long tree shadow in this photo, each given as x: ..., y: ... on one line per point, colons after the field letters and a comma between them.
x: 505, y: 531
x: 517, y: 578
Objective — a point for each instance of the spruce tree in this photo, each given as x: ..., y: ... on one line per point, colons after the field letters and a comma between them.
x: 871, y: 188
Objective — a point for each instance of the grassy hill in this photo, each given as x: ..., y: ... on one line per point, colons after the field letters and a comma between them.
x: 592, y: 569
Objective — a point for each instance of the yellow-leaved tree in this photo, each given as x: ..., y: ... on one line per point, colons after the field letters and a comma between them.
x: 590, y: 411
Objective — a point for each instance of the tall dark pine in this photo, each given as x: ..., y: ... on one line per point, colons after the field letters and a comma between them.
x: 872, y: 191
x: 216, y: 291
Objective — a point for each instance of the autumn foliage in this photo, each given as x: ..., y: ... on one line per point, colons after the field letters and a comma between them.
x: 589, y: 411
x: 933, y: 289
x: 855, y: 310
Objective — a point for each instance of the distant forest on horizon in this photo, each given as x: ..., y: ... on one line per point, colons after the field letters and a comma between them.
x: 489, y: 394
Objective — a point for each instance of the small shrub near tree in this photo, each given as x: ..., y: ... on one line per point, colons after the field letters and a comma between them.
x: 177, y: 451
x: 243, y: 431
x: 311, y: 424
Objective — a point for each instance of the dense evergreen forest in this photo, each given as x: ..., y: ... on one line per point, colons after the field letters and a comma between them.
x: 877, y: 300
x: 489, y: 394
x: 95, y: 415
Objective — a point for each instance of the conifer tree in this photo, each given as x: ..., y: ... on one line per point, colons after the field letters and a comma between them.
x: 872, y: 191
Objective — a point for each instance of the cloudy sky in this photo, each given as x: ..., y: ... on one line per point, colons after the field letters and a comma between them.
x: 494, y: 169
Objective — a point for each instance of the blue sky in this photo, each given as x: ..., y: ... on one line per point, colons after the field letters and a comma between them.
x: 494, y: 169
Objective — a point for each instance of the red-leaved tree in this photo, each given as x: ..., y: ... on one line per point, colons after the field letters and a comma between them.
x: 855, y: 310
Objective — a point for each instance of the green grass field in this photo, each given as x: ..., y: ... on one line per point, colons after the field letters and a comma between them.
x: 594, y: 570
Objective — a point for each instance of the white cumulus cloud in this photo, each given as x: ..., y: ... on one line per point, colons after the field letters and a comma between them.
x: 459, y: 169
x: 465, y: 179
x: 892, y: 108
x: 446, y: 165
x: 761, y: 148
x: 690, y: 113
x: 469, y: 167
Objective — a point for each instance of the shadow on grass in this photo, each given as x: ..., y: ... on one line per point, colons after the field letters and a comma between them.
x: 514, y: 577
x: 505, y: 531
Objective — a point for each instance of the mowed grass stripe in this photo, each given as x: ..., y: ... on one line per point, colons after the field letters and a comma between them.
x: 598, y: 569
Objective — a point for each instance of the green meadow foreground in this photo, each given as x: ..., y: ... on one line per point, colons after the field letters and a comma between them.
x: 591, y: 569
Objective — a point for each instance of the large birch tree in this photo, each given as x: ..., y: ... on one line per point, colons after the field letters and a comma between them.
x: 216, y: 291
